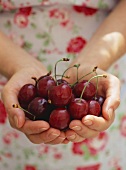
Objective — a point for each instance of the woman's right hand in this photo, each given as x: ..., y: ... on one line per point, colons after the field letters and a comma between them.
x: 36, y: 131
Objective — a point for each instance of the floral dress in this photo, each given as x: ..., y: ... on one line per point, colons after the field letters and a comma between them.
x: 50, y: 30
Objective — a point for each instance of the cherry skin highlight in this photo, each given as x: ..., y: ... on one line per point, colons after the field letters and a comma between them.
x: 60, y: 95
x: 43, y: 85
x: 100, y: 99
x: 78, y: 108
x: 38, y: 107
x: 59, y: 119
x: 94, y: 108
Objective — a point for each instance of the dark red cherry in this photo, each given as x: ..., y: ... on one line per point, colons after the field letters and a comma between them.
x: 94, y: 108
x: 100, y: 99
x: 89, y: 92
x: 43, y: 85
x: 38, y: 107
x: 26, y: 94
x: 59, y: 119
x: 60, y: 95
x: 78, y: 108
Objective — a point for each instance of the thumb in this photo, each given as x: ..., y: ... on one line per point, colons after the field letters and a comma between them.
x: 16, y: 116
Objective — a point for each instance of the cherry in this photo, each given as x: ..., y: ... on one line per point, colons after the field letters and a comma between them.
x: 94, y: 108
x: 89, y: 91
x: 38, y: 107
x: 100, y: 99
x: 59, y: 119
x: 60, y: 95
x: 78, y: 108
x: 26, y: 94
x: 58, y: 102
x: 43, y: 85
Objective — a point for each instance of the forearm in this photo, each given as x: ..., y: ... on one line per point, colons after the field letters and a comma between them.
x: 13, y: 58
x: 108, y: 44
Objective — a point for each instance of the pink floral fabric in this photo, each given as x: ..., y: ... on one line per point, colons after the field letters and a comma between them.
x: 49, y: 30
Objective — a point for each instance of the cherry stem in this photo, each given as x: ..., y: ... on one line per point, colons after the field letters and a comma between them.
x: 103, y: 75
x: 76, y: 65
x: 63, y: 59
x: 36, y: 80
x: 94, y: 70
x: 96, y: 85
x: 18, y: 106
x: 64, y: 76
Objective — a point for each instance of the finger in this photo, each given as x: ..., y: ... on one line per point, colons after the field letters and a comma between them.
x: 72, y: 136
x: 44, y: 137
x: 9, y: 97
x: 97, y: 123
x: 79, y: 131
x: 112, y: 98
x: 66, y: 141
x: 58, y: 140
x: 34, y: 127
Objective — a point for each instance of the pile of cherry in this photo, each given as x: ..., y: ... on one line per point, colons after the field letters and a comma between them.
x: 58, y: 102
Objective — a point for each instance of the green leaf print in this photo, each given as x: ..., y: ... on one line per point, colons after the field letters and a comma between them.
x: 27, y: 45
x: 49, y: 67
x: 102, y: 5
x: 33, y: 25
x: 28, y: 152
x: 87, y: 154
x: 45, y: 37
x: 46, y: 42
x: 8, y: 24
x: 41, y: 36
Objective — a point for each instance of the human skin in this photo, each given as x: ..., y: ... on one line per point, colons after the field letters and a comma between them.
x: 106, y: 46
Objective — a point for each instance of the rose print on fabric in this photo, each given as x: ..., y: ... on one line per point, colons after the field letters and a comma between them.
x: 47, y: 20
x: 26, y: 10
x: 21, y: 20
x: 44, y: 149
x: 3, y: 114
x: 7, y: 5
x: 97, y: 144
x: 76, y: 44
x: 21, y: 17
x: 91, y: 147
x: 8, y: 137
x: 61, y: 15
x: 114, y: 163
x: 90, y: 167
x: 85, y: 10
x: 123, y: 126
x: 30, y: 167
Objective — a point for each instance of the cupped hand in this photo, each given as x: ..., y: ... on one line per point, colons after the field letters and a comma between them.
x: 36, y: 131
x: 90, y: 126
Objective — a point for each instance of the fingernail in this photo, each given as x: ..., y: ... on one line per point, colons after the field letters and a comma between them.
x: 42, y: 129
x: 110, y: 113
x: 76, y: 128
x: 16, y: 121
x: 62, y: 138
x: 71, y: 137
x: 88, y: 122
x: 53, y: 135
